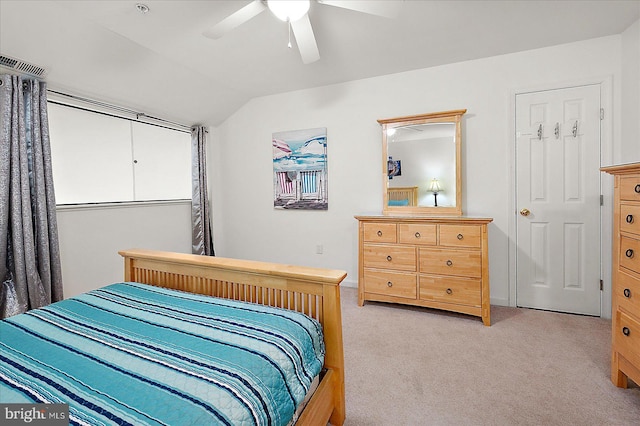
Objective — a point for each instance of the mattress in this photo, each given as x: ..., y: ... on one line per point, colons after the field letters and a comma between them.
x: 135, y: 354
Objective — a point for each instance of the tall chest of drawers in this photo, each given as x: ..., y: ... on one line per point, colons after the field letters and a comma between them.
x: 433, y: 262
x: 625, y: 294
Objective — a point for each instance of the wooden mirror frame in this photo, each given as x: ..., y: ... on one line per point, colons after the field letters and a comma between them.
x: 455, y: 117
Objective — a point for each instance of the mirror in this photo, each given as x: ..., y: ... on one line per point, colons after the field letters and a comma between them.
x: 421, y: 164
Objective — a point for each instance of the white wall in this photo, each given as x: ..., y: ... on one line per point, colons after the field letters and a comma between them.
x: 630, y: 111
x: 90, y: 238
x: 247, y: 226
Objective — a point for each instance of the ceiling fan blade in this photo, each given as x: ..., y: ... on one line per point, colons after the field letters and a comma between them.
x: 235, y: 19
x: 305, y: 39
x: 384, y: 8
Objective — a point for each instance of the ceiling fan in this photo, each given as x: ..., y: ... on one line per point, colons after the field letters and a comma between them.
x: 295, y: 13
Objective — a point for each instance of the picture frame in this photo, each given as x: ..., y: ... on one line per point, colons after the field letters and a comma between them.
x: 300, y: 169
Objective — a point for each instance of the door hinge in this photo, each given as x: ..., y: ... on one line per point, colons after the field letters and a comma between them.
x: 601, y: 200
x: 601, y: 285
x: 601, y: 113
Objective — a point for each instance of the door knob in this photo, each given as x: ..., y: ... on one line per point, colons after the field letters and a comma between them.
x: 525, y: 212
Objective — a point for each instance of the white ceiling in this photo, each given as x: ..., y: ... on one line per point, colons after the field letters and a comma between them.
x: 160, y: 64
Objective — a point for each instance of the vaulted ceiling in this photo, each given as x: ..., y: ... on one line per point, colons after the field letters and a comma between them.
x: 159, y: 62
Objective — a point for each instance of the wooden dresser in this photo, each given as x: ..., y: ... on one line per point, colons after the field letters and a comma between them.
x: 435, y: 262
x: 625, y: 294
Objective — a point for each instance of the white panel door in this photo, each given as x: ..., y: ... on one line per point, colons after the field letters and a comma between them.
x: 558, y: 200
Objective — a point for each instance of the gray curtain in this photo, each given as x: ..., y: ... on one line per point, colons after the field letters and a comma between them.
x: 29, y: 253
x: 201, y: 237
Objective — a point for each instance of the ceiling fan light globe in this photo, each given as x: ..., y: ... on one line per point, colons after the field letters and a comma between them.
x: 288, y: 10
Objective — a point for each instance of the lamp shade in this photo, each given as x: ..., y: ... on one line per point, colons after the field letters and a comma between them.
x: 288, y: 10
x: 435, y: 186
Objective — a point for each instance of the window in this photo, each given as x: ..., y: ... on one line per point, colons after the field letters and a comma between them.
x: 99, y: 158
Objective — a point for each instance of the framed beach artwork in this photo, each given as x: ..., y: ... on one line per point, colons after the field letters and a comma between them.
x: 300, y: 169
x: 394, y: 168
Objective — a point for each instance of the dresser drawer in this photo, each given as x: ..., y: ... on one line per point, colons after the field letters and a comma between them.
x: 464, y: 263
x: 389, y: 257
x: 630, y: 188
x: 630, y: 218
x: 630, y: 253
x: 627, y: 337
x: 396, y: 284
x: 462, y: 291
x: 413, y: 233
x: 628, y: 293
x: 379, y: 232
x: 460, y: 236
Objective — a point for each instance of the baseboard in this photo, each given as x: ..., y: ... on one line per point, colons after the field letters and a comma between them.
x: 349, y: 283
x: 499, y: 301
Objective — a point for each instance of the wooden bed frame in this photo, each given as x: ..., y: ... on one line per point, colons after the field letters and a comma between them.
x: 409, y: 193
x: 312, y: 291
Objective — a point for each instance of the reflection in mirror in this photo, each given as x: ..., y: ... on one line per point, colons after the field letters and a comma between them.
x: 424, y: 156
x: 421, y: 156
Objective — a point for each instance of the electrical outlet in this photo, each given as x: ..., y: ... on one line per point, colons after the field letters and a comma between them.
x: 319, y: 249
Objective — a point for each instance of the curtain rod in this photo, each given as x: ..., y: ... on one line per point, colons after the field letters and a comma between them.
x: 120, y: 109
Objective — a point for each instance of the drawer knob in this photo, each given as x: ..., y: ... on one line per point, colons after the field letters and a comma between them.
x: 629, y: 218
x: 626, y: 331
x: 637, y: 189
x: 629, y: 253
x: 460, y: 236
x: 389, y: 258
x: 449, y: 263
x: 379, y: 233
x: 627, y: 293
x: 449, y: 291
x: 417, y: 234
x: 389, y: 284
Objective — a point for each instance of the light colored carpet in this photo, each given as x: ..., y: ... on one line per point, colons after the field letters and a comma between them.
x: 415, y: 366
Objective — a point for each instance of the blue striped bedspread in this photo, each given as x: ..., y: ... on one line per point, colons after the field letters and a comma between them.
x: 136, y: 354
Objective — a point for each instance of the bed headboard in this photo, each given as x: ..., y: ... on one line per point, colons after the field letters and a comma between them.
x: 400, y: 194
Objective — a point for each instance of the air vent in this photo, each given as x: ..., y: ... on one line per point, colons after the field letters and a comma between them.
x: 16, y: 65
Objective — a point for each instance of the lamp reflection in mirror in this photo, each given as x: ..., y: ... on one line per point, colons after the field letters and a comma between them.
x: 435, y: 188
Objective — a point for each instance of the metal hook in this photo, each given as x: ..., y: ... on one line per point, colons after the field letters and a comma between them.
x: 575, y: 129
x: 540, y: 132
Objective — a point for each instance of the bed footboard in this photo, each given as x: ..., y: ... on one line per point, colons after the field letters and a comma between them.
x: 312, y: 291
x: 406, y: 193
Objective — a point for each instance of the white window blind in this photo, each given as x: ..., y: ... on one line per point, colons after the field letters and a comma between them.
x: 98, y: 158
